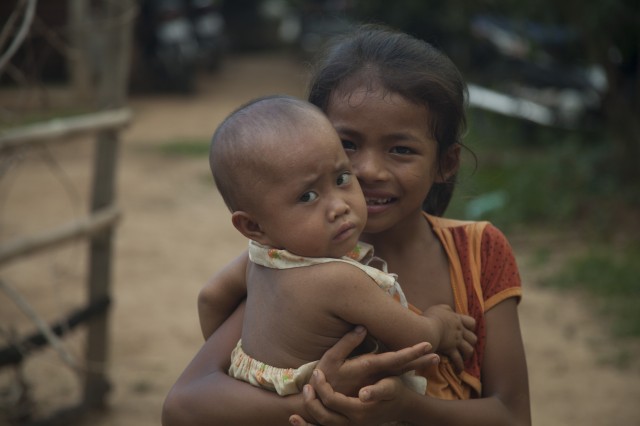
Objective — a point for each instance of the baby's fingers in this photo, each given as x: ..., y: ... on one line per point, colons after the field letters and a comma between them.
x: 468, y: 322
x: 457, y: 361
x: 469, y: 337
x: 466, y: 350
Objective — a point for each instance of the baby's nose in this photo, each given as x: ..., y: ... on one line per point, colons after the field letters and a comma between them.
x: 339, y: 208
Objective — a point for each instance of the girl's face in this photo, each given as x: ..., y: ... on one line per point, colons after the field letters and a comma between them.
x: 394, y: 156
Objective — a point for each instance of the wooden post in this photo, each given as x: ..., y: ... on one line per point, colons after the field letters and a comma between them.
x: 116, y: 17
x: 100, y: 268
x: 79, y: 33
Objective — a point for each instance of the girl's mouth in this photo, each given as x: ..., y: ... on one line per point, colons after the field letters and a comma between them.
x: 378, y: 201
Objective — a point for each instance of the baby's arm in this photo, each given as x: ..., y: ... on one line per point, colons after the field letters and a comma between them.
x: 354, y: 297
x: 504, y: 400
x: 222, y: 294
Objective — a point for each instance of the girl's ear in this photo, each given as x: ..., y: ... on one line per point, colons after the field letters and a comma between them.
x: 247, y: 226
x: 449, y: 164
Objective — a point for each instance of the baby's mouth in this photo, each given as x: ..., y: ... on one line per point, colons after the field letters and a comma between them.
x: 344, y: 231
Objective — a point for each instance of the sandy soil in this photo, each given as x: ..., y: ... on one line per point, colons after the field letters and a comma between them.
x: 176, y: 232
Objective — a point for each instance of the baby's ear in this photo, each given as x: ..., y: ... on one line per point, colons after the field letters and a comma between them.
x: 247, y: 226
x: 449, y: 164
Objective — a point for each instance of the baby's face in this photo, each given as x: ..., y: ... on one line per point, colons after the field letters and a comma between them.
x: 312, y: 202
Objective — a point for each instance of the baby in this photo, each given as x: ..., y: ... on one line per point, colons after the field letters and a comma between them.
x: 281, y: 169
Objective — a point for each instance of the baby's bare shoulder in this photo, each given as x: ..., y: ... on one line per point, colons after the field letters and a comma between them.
x: 332, y: 275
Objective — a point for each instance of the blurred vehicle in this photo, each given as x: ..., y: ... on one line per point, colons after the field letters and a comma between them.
x: 272, y: 24
x: 261, y: 24
x: 537, y: 64
x: 176, y: 37
x: 209, y: 28
x: 320, y: 21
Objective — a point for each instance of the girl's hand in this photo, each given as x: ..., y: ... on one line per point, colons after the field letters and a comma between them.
x: 347, y: 376
x: 381, y: 402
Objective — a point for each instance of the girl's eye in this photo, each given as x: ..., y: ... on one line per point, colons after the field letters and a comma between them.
x: 307, y: 197
x: 401, y: 150
x: 343, y: 179
x: 348, y: 145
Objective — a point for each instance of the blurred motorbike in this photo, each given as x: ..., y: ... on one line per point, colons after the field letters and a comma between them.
x: 177, y: 36
x: 209, y: 29
x: 537, y: 64
x: 321, y: 20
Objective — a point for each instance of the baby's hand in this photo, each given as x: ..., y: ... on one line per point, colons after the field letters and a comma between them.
x: 457, y: 338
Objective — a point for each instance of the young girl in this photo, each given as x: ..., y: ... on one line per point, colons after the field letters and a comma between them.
x: 398, y: 106
x: 309, y: 278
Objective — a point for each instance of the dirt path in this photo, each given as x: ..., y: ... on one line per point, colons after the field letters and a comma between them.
x: 176, y: 232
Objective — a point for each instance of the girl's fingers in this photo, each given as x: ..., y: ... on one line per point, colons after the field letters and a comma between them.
x: 336, y: 404
x: 347, y: 344
x: 315, y: 404
x: 296, y: 420
x: 384, y: 390
x: 421, y: 363
x: 401, y: 361
x: 397, y: 362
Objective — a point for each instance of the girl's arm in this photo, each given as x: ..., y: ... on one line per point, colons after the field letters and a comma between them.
x: 222, y: 294
x: 205, y: 395
x: 505, y: 389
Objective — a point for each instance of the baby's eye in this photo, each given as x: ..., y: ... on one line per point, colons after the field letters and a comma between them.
x: 401, y: 150
x: 307, y: 197
x: 343, y: 179
x: 348, y: 145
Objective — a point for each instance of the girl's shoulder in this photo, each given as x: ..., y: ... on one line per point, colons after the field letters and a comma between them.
x: 478, y: 248
x: 476, y: 231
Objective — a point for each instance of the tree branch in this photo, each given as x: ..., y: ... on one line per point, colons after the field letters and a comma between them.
x: 21, y: 35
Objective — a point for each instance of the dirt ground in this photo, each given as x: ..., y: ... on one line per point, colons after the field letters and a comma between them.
x: 175, y: 232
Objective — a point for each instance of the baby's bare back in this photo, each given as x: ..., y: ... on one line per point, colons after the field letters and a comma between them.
x: 288, y: 320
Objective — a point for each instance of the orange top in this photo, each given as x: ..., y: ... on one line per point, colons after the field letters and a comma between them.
x: 483, y: 273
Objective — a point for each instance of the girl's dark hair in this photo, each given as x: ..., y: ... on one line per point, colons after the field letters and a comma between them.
x: 409, y: 67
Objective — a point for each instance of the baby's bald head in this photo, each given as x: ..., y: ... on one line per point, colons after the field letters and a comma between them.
x: 253, y: 139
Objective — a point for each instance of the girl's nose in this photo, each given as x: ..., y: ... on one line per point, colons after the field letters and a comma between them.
x: 369, y: 167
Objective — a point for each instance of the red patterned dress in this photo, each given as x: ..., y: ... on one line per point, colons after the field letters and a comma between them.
x: 483, y: 273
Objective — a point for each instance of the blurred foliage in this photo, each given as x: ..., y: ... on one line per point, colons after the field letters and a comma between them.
x: 544, y: 176
x: 608, y: 34
x: 186, y: 147
x: 530, y: 177
x: 584, y: 180
x: 612, y: 276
